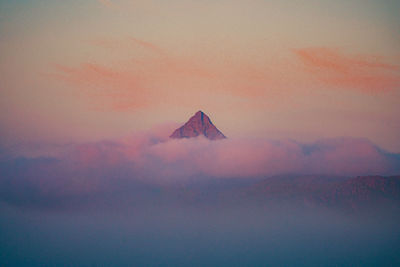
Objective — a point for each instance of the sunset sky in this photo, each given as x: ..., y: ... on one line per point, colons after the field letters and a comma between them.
x: 87, y: 70
x: 307, y: 93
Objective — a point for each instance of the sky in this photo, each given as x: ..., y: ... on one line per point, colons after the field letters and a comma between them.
x: 307, y: 92
x: 85, y: 71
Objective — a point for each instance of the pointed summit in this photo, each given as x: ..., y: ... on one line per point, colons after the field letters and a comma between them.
x: 199, y: 124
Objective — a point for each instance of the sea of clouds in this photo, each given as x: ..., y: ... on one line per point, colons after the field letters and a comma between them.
x: 151, y: 157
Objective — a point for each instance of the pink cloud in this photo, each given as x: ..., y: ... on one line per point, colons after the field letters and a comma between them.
x: 147, y: 45
x: 147, y: 158
x: 156, y: 157
x: 364, y: 73
x: 132, y: 84
x: 159, y: 76
x: 107, y: 3
x: 152, y: 155
x: 129, y: 42
x: 118, y: 90
x: 250, y: 158
x: 347, y: 155
x: 164, y: 62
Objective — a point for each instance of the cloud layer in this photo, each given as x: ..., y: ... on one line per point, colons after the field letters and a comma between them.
x: 365, y: 73
x: 153, y: 158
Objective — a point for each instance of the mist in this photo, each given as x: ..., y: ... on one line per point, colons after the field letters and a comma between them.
x: 187, y: 235
x: 148, y: 200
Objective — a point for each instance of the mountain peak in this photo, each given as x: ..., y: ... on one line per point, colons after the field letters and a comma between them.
x: 199, y: 124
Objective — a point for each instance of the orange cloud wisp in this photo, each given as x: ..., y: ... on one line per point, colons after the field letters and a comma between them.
x: 362, y: 72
